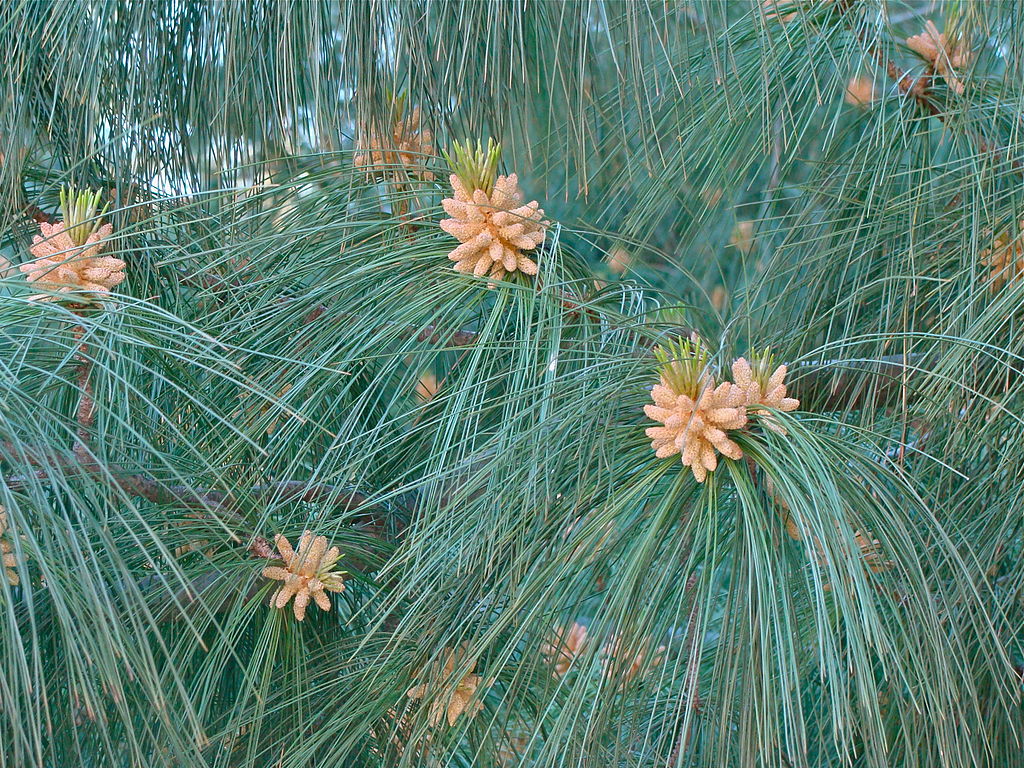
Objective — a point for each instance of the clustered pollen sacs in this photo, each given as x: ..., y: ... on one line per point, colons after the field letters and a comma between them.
x: 67, y: 254
x: 410, y: 143
x: 697, y: 413
x: 488, y: 216
x: 308, y: 573
x: 944, y: 54
x: 1004, y: 259
x: 455, y: 701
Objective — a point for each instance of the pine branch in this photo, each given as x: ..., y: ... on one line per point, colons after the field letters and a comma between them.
x: 131, y: 484
x: 222, y: 505
x: 430, y: 333
x: 853, y: 384
x: 920, y: 89
x: 830, y: 385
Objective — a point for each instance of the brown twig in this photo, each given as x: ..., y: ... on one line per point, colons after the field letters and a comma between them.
x: 131, y: 484
x: 218, y: 502
x: 429, y: 333
x: 683, y: 742
x: 86, y: 413
x: 918, y: 88
x: 221, y: 504
x: 841, y: 383
x: 433, y: 333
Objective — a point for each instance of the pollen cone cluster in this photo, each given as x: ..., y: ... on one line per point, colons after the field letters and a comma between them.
x: 61, y: 266
x: 870, y: 549
x: 564, y: 646
x: 307, y: 573
x: 695, y: 412
x: 450, y: 705
x: 871, y: 553
x: 860, y: 91
x: 495, y: 229
x: 619, y: 663
x: 10, y: 561
x: 405, y: 148
x: 1005, y: 260
x: 945, y: 56
x: 763, y: 388
x: 696, y: 422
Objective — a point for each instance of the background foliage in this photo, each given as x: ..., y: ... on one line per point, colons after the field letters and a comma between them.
x: 292, y: 350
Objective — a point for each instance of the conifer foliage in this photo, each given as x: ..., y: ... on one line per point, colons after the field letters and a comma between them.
x: 639, y: 383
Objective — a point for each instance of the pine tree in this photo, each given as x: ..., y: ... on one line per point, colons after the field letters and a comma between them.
x: 438, y: 383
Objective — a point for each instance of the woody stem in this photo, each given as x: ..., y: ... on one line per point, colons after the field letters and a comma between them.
x: 86, y: 413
